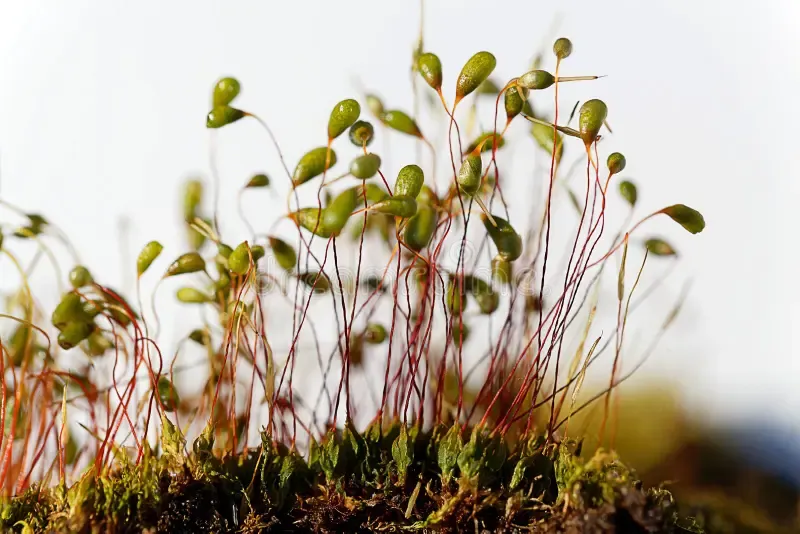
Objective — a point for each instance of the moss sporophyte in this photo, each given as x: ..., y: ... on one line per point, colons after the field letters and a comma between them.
x: 424, y: 418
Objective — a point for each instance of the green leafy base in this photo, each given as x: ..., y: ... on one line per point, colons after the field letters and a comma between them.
x: 389, y: 479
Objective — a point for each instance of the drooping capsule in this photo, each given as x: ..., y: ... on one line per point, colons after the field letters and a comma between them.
x: 337, y: 213
x: 191, y: 295
x: 80, y: 277
x: 201, y: 337
x: 375, y: 106
x: 258, y: 180
x: 311, y: 220
x: 222, y: 116
x: 316, y: 280
x: 501, y: 270
x: 192, y: 198
x: 487, y: 298
x: 475, y: 71
x: 312, y: 164
x: 361, y: 133
x: 469, y: 175
x: 659, y: 247
x: 430, y: 67
x: 167, y: 394
x: 97, y: 344
x: 454, y: 297
x: 284, y: 253
x: 628, y: 191
x: 691, y: 219
x: 486, y: 142
x: 591, y: 117
x: 69, y: 310
x: 239, y: 260
x: 191, y: 262
x: 401, y: 122
x: 343, y: 115
x: 514, y: 101
x: 562, y: 48
x: 409, y: 181
x: 225, y: 90
x: 420, y: 228
x: 504, y: 237
x: 399, y: 206
x: 615, y: 163
x: 73, y: 333
x: 365, y: 167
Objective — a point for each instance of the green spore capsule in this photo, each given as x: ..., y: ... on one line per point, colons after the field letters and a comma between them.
x: 427, y: 196
x: 375, y: 106
x: 486, y: 142
x: 365, y: 167
x: 501, y: 270
x: 258, y: 252
x: 147, y: 256
x: 69, y: 310
x: 616, y: 163
x: 80, y: 277
x: 167, y: 394
x: 399, y: 206
x: 225, y: 90
x: 361, y: 133
x: 454, y: 298
x: 401, y: 122
x: 196, y: 238
x: 514, y: 101
x: 469, y: 175
x: 487, y: 298
x: 258, y: 180
x: 504, y: 237
x: 223, y: 116
x: 318, y: 281
x: 562, y: 48
x: 691, y: 219
x: 430, y: 67
x: 375, y: 193
x: 375, y: 334
x: 409, y: 181
x: 310, y: 219
x: 628, y: 191
x: 284, y: 253
x: 591, y: 117
x: 475, y: 71
x: 98, y: 344
x: 191, y: 262
x: 312, y: 164
x: 659, y: 247
x: 201, y: 337
x: 420, y: 228
x: 343, y: 115
x: 337, y: 213
x: 191, y: 295
x: 224, y: 251
x: 74, y: 333
x: 239, y: 260
x: 544, y: 137
x: 536, y: 80
x: 192, y: 198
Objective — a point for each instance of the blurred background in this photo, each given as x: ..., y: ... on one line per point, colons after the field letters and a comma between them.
x: 102, y: 109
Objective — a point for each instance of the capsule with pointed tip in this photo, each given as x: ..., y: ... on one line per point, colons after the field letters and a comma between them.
x: 147, y: 256
x: 475, y: 71
x: 536, y: 79
x: 343, y: 115
x: 430, y: 67
x: 311, y: 220
x: 504, y: 237
x: 401, y: 122
x: 312, y: 164
x: 591, y: 117
x: 399, y: 206
x: 469, y: 175
x: 258, y: 180
x: 409, y: 181
x: 284, y: 253
x: 222, y: 116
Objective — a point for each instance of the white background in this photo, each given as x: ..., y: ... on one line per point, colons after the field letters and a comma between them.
x: 102, y: 109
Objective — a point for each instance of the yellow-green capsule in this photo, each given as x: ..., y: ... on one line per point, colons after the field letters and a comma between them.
x: 190, y: 295
x: 691, y: 219
x: 239, y: 260
x: 196, y: 238
x: 591, y: 117
x: 80, y: 277
x: 191, y: 262
x: 225, y: 90
x: 222, y: 116
x: 427, y: 196
x: 475, y: 71
x: 192, y: 198
x: 335, y: 216
x: 505, y: 238
x: 399, y: 206
x: 375, y: 106
x: 409, y: 181
x: 98, y: 344
x: 200, y: 337
x: 73, y: 333
x: 375, y: 193
x: 361, y: 133
x: 375, y: 334
x: 167, y: 394
x: 69, y: 310
x: 562, y: 48
x: 258, y: 180
x: 257, y: 251
x: 501, y: 270
x: 616, y: 163
x: 430, y: 67
x: 420, y: 228
x: 543, y: 135
x: 311, y: 220
x: 469, y: 175
x: 454, y: 298
x: 486, y: 141
x: 514, y: 101
x: 312, y: 164
x: 487, y: 298
x: 400, y: 121
x: 536, y: 80
x: 659, y: 247
x: 628, y: 191
x: 284, y: 253
x: 365, y: 167
x: 322, y: 285
x: 343, y: 115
